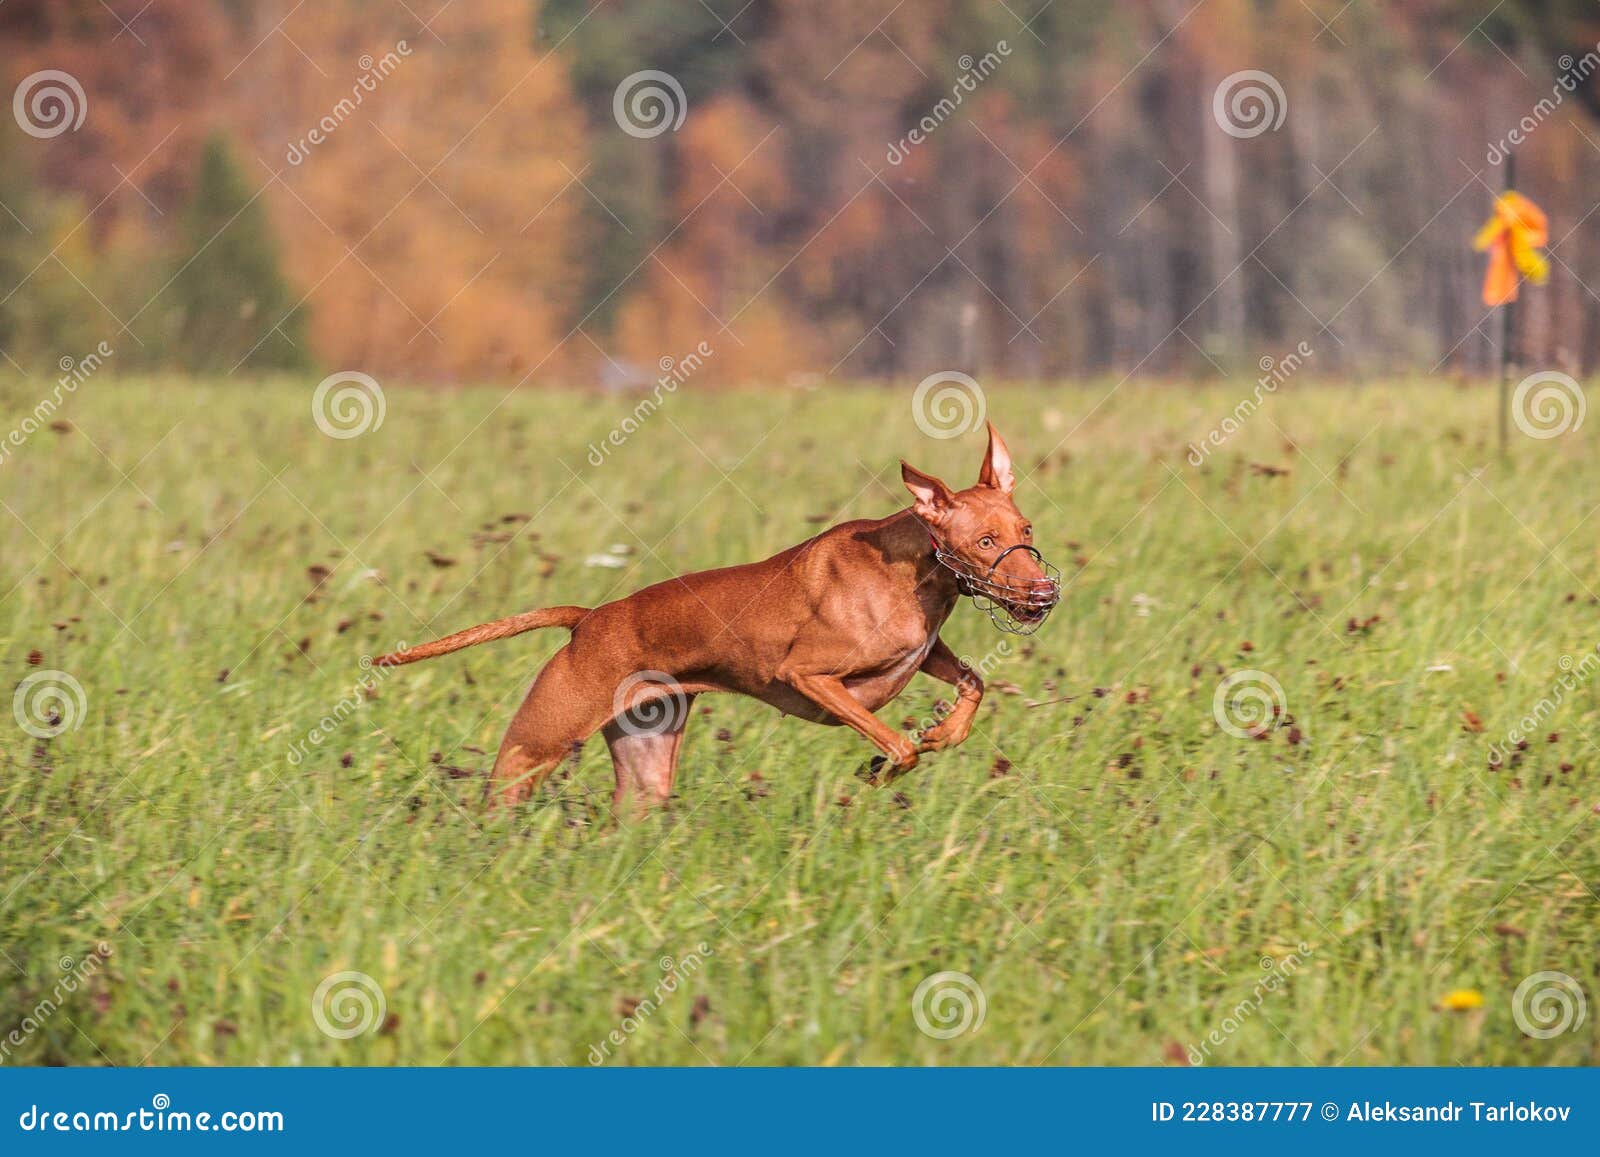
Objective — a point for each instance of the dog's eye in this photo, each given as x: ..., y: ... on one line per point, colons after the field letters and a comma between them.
x: 1027, y: 532
x: 986, y: 542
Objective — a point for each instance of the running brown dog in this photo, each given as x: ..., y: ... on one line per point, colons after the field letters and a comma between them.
x: 829, y: 631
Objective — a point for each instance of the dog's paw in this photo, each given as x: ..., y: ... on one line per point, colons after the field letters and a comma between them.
x: 950, y: 733
x: 952, y: 730
x: 881, y: 769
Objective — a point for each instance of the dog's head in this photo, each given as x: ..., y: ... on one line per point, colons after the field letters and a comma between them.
x: 981, y: 536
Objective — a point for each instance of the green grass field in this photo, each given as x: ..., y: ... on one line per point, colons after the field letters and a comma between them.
x: 1119, y: 875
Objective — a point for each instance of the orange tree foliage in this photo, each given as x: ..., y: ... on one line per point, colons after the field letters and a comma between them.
x: 479, y: 212
x: 435, y: 226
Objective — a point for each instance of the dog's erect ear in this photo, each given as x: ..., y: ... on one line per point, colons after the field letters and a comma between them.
x: 934, y: 498
x: 996, y: 472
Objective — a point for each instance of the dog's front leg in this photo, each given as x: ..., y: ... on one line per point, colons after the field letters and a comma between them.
x: 827, y: 692
x: 943, y: 664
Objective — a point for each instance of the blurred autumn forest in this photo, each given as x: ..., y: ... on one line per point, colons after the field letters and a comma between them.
x: 482, y: 214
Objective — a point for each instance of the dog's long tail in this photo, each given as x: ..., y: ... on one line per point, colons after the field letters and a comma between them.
x: 486, y: 633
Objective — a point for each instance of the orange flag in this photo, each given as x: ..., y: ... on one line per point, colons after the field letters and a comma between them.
x: 1512, y: 237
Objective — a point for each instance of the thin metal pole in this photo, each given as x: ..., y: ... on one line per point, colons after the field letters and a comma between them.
x: 1508, y: 331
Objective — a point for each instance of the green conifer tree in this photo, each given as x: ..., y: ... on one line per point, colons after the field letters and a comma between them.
x: 234, y: 308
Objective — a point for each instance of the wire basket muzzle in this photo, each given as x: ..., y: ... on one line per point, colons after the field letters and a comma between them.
x: 1017, y: 606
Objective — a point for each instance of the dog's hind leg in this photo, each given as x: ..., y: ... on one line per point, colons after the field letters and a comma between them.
x: 644, y: 746
x: 565, y: 706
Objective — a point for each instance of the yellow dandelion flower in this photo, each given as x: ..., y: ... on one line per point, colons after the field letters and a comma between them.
x: 1461, y: 1000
